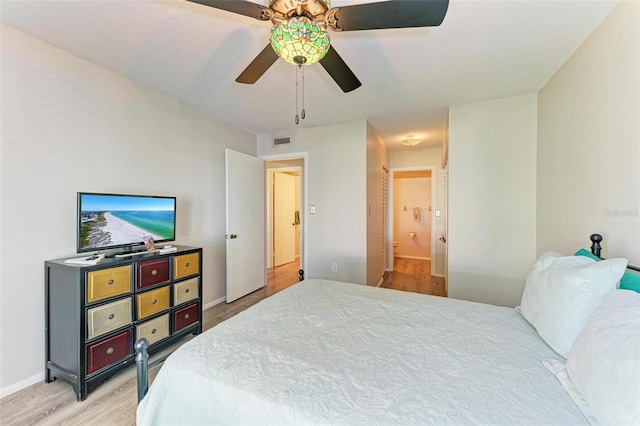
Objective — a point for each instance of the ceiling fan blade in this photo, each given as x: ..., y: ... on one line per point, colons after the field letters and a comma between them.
x: 258, y: 66
x: 388, y: 14
x: 340, y: 71
x: 240, y: 7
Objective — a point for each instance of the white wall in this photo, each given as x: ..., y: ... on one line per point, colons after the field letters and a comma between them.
x: 68, y: 126
x: 431, y: 157
x: 589, y: 143
x: 337, y: 186
x: 377, y: 162
x: 492, y: 199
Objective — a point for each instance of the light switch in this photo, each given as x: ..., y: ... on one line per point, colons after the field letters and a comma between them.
x: 312, y: 209
x: 437, y: 213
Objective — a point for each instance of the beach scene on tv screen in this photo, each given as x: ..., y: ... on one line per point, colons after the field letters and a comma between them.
x: 119, y: 220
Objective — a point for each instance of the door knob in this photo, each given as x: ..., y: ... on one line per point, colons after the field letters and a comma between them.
x: 232, y: 236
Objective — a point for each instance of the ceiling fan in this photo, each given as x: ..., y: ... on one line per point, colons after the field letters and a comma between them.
x: 299, y: 33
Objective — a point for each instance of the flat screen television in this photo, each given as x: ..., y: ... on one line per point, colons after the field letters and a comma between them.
x: 111, y: 221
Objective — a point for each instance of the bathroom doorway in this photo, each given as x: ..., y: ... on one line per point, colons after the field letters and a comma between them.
x: 411, y: 211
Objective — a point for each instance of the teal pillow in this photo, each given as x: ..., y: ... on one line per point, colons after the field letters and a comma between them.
x: 629, y: 280
x: 587, y: 253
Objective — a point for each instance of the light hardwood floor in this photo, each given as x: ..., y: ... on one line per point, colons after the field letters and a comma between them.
x: 414, y: 275
x: 114, y: 402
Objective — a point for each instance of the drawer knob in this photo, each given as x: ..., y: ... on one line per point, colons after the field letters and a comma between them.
x: 154, y: 301
x: 186, y: 290
x: 109, y: 351
x: 110, y: 282
x: 186, y: 264
x: 153, y: 331
x: 154, y: 272
x: 186, y: 316
x: 111, y: 316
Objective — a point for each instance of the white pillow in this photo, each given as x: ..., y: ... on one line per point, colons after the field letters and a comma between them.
x: 561, y: 293
x: 604, y: 362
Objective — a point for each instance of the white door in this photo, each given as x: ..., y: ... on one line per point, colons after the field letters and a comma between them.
x: 284, y: 226
x: 246, y: 268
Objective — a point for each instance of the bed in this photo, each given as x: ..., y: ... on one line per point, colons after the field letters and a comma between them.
x: 328, y: 352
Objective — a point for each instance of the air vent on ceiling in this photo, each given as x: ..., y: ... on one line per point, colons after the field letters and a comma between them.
x: 281, y: 141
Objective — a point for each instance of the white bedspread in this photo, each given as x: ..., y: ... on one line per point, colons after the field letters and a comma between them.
x: 326, y: 352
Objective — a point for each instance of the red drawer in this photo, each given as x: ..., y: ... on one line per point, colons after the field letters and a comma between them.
x: 185, y: 317
x: 154, y: 272
x: 108, y: 351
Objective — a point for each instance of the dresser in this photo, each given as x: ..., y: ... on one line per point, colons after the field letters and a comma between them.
x: 95, y: 314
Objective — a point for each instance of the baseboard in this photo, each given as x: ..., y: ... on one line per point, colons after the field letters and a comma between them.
x: 413, y: 257
x: 8, y: 390
x: 214, y: 303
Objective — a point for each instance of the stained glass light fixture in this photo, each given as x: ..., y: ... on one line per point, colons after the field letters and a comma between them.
x: 300, y: 41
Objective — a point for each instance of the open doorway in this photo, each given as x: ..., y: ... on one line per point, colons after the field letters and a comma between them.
x: 418, y: 198
x: 411, y: 232
x: 285, y: 221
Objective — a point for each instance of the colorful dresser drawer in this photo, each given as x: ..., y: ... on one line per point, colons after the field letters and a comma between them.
x: 108, y: 351
x: 185, y: 317
x: 185, y: 291
x: 107, y: 283
x: 152, y: 302
x: 186, y: 265
x: 152, y: 273
x: 105, y: 318
x: 153, y: 330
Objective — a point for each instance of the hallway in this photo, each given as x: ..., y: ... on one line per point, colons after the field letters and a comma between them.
x: 413, y: 275
x: 282, y: 276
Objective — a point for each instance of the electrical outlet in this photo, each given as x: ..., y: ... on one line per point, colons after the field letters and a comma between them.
x: 334, y: 267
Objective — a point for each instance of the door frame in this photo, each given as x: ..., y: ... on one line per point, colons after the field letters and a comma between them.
x: 303, y: 202
x: 269, y: 213
x: 392, y: 171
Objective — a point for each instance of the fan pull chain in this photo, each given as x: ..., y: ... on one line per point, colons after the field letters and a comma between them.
x: 302, y: 113
x: 297, y: 118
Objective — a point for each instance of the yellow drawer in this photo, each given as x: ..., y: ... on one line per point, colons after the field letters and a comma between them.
x: 186, y: 265
x: 107, y: 283
x: 154, y: 330
x: 105, y: 318
x: 152, y: 302
x: 185, y: 291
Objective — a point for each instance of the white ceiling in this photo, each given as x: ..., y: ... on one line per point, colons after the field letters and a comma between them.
x: 483, y: 50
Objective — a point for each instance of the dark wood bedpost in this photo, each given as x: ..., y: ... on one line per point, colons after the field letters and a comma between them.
x: 301, y: 273
x: 595, y: 244
x: 142, y: 358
